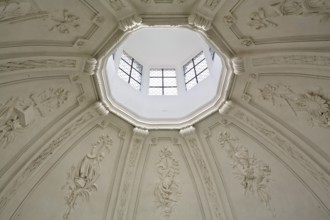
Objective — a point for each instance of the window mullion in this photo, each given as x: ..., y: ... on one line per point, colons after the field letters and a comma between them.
x: 130, y: 71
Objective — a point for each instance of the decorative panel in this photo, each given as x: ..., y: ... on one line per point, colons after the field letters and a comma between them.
x: 78, y: 185
x: 29, y: 107
x: 260, y: 184
x: 31, y: 23
x: 167, y: 189
x: 246, y: 24
x: 298, y: 101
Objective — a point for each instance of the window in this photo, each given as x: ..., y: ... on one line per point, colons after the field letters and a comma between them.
x: 212, y: 52
x: 195, y: 71
x: 130, y: 71
x: 163, y: 82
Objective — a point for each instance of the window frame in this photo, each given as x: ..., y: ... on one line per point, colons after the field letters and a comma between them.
x: 194, y: 65
x: 131, y: 67
x: 163, y: 77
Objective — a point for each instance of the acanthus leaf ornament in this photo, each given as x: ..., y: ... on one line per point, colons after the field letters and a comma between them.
x: 285, y: 146
x: 167, y: 189
x: 253, y: 173
x: 18, y: 113
x: 314, y: 104
x: 82, y: 179
x: 20, y: 11
x: 263, y: 19
x: 47, y: 152
x: 259, y: 20
x: 314, y: 60
x: 37, y: 64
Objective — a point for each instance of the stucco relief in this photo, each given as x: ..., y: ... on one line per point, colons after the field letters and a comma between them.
x: 167, y: 190
x: 254, y: 174
x: 65, y: 23
x: 263, y: 18
x: 206, y: 176
x: 285, y: 146
x: 36, y: 64
x: 314, y: 105
x: 81, y: 180
x: 17, y: 113
x: 128, y: 178
x: 292, y: 60
x: 117, y: 4
x: 14, y: 11
x: 42, y: 156
x: 211, y: 4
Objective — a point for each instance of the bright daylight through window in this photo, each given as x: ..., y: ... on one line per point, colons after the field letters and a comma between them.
x: 130, y: 71
x: 162, y: 82
x: 154, y: 73
x: 195, y: 71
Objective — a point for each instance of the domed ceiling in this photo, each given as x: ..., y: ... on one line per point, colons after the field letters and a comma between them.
x: 262, y: 152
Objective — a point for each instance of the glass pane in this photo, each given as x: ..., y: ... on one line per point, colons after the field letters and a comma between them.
x: 199, y: 58
x: 126, y: 57
x: 169, y: 81
x: 155, y: 72
x: 169, y: 73
x: 188, y: 66
x: 155, y: 91
x: 170, y: 91
x: 203, y: 75
x: 123, y: 75
x: 189, y: 75
x: 136, y: 75
x: 200, y: 67
x: 155, y: 82
x: 191, y: 84
x: 135, y: 84
x: 137, y: 66
x: 124, y: 66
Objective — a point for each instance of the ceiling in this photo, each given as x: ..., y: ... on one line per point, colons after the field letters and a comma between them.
x: 261, y: 153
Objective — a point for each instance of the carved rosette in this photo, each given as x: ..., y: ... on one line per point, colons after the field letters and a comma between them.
x: 81, y: 181
x: 229, y: 19
x: 167, y: 190
x: 65, y: 23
